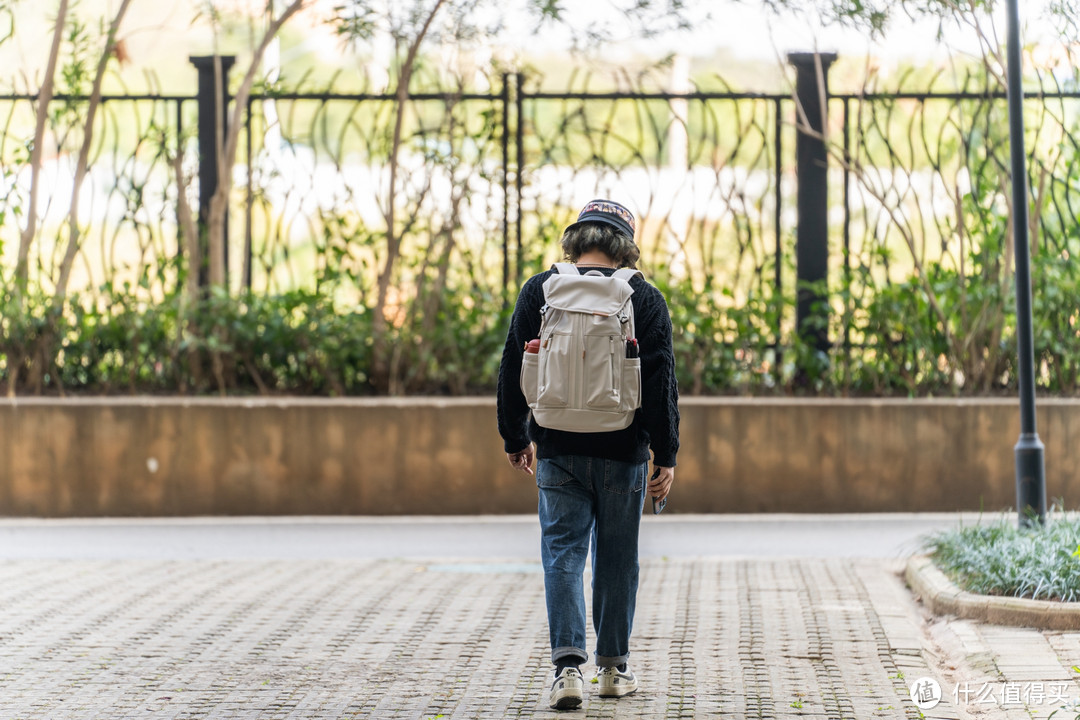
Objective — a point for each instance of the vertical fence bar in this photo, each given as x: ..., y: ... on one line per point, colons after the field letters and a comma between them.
x: 778, y: 278
x: 847, y: 230
x: 504, y: 96
x: 250, y: 200
x: 519, y: 173
x: 179, y: 187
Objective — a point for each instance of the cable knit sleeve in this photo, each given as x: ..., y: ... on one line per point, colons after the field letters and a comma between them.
x: 513, y: 411
x: 660, y: 390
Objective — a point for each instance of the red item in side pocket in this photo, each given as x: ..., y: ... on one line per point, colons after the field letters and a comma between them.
x: 533, y: 346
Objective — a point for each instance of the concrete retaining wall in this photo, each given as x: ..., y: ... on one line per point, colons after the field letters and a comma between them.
x: 169, y: 456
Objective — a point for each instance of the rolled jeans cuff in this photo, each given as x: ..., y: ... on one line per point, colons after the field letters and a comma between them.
x: 561, y: 652
x: 604, y: 661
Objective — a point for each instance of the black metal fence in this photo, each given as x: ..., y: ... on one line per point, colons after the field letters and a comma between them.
x: 913, y: 179
x: 487, y: 180
x: 128, y: 208
x: 705, y: 172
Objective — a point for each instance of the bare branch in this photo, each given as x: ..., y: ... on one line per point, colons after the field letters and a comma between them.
x: 45, y: 95
x: 219, y: 203
x: 83, y: 164
x: 393, y: 240
x: 189, y: 228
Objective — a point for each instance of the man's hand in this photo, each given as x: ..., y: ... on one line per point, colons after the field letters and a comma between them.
x: 522, y: 460
x: 660, y: 486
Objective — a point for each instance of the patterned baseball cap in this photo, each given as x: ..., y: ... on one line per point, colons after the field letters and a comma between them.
x: 610, y: 212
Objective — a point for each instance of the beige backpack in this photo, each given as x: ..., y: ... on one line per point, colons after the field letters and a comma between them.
x: 586, y: 374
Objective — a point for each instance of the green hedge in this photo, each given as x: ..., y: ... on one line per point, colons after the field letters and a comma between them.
x: 308, y: 343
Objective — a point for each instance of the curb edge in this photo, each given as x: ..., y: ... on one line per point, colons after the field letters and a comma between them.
x: 943, y: 597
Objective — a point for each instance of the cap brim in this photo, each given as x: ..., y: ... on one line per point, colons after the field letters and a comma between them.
x: 607, y: 220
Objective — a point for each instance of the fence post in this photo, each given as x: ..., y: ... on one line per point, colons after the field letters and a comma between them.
x: 812, y: 165
x: 212, y: 110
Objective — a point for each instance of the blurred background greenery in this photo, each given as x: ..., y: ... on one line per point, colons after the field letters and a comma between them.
x: 375, y: 194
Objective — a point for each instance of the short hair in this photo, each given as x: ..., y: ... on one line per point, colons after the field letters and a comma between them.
x: 582, y: 237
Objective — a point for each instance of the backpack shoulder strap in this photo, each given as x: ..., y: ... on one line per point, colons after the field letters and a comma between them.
x: 566, y: 268
x: 628, y: 274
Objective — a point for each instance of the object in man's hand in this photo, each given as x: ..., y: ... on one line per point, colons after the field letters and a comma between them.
x: 658, y: 505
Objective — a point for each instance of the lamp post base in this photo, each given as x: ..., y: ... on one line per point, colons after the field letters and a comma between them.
x: 1030, y: 480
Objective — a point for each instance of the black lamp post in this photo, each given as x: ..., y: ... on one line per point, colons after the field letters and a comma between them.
x: 1030, y: 470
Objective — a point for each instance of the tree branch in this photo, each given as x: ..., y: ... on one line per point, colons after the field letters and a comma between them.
x: 219, y: 203
x: 393, y: 241
x: 82, y: 167
x: 45, y: 95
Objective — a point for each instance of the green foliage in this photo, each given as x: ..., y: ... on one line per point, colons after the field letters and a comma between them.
x: 449, y: 340
x: 721, y: 345
x: 298, y: 342
x: 461, y: 20
x: 28, y: 326
x: 1057, y: 321
x: 998, y: 558
x: 342, y: 306
x: 460, y: 349
x: 874, y: 16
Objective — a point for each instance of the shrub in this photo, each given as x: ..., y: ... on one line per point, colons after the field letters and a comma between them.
x: 998, y: 558
x: 449, y: 341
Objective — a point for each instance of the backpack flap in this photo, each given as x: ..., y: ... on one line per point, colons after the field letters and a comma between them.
x: 580, y: 293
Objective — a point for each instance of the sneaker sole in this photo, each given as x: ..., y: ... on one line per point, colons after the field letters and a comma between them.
x: 617, y: 692
x: 566, y: 700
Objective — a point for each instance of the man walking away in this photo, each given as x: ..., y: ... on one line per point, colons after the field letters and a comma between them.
x: 588, y: 376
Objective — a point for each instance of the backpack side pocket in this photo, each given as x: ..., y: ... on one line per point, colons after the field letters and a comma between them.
x: 530, y: 377
x: 631, y: 385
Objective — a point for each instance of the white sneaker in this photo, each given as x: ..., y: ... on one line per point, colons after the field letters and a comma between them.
x: 566, y: 691
x: 614, y: 683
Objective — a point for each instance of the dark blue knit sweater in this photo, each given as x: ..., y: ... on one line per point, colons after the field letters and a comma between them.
x: 656, y: 424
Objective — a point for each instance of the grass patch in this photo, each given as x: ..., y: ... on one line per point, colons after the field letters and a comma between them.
x: 1000, y: 559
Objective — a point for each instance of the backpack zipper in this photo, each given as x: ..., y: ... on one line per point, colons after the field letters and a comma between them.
x: 578, y: 382
x: 614, y: 364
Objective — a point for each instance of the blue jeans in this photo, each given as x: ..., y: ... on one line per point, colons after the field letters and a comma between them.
x: 583, y: 498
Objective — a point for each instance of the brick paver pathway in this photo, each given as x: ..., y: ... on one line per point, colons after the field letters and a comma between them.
x: 723, y: 638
